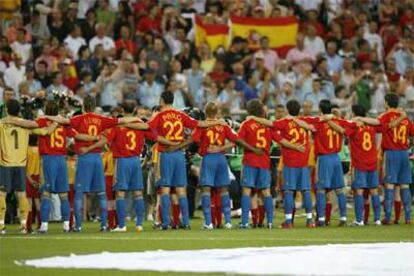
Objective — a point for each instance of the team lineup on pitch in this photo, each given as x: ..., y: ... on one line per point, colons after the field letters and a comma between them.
x: 298, y: 136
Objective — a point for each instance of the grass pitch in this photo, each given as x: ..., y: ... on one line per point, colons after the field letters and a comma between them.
x: 15, y: 247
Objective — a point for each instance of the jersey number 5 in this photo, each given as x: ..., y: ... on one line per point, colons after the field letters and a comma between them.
x: 261, y: 140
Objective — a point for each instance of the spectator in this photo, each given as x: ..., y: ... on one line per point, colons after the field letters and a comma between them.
x: 150, y: 90
x: 333, y: 59
x: 271, y: 58
x: 33, y: 84
x: 393, y: 76
x: 41, y: 73
x: 84, y: 61
x: 234, y: 54
x: 37, y: 28
x: 105, y: 16
x: 124, y: 19
x: 74, y: 41
x: 150, y: 22
x: 21, y: 46
x: 374, y: 39
x: 266, y: 91
x: 100, y: 38
x: 12, y: 30
x: 181, y: 99
x: 106, y: 82
x: 219, y: 75
x: 161, y: 57
x: 347, y: 75
x: 68, y: 78
x: 125, y: 41
x: 403, y: 55
x: 56, y: 85
x: 88, y: 26
x: 57, y: 26
x: 304, y: 82
x: 194, y: 78
x: 207, y: 59
x: 283, y: 74
x: 342, y: 99
x: 249, y: 90
x: 87, y: 82
x: 312, y: 20
x: 287, y: 93
x: 313, y: 43
x: 316, y: 95
x: 299, y: 54
x: 15, y: 73
x: 48, y: 58
x: 229, y: 97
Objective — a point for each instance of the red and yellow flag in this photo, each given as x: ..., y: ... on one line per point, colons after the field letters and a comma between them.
x: 281, y: 31
x: 214, y: 35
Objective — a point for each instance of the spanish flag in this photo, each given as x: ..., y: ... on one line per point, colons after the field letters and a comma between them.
x: 214, y: 34
x: 281, y: 31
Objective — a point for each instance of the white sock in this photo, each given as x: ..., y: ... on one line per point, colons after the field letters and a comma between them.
x: 44, y: 226
x: 321, y: 219
x: 343, y: 218
x: 309, y: 215
x: 66, y: 225
x: 288, y: 216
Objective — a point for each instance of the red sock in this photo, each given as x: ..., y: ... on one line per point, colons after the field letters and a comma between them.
x: 71, y: 220
x: 111, y: 219
x: 29, y: 221
x: 328, y: 210
x: 38, y: 219
x: 176, y: 214
x: 261, y: 214
x: 254, y: 216
x: 397, y: 209
x: 366, y: 212
x: 159, y: 217
x: 213, y: 207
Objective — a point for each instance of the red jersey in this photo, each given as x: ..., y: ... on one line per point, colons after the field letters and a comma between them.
x: 362, y: 140
x: 213, y: 136
x: 91, y: 124
x: 395, y: 138
x: 54, y: 143
x: 126, y: 142
x: 258, y: 136
x: 327, y: 140
x: 170, y: 124
x: 295, y: 135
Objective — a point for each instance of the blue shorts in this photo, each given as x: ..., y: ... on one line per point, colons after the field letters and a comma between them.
x: 173, y: 169
x: 397, y: 168
x: 55, y: 174
x: 255, y: 178
x: 296, y: 179
x: 365, y: 179
x: 90, y: 173
x: 12, y: 178
x: 128, y: 174
x: 214, y: 170
x: 330, y: 173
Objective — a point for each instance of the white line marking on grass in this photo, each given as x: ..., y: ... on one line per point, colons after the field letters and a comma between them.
x: 143, y: 238
x: 332, y: 259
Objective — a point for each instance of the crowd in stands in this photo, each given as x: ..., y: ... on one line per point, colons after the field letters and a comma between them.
x: 348, y: 51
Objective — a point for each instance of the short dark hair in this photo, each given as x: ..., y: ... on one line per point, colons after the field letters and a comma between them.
x: 359, y: 110
x: 13, y: 107
x: 211, y: 109
x: 280, y: 106
x: 51, y: 108
x: 392, y: 100
x: 89, y: 103
x: 293, y: 107
x: 167, y: 97
x: 325, y: 106
x: 129, y: 106
x: 255, y: 108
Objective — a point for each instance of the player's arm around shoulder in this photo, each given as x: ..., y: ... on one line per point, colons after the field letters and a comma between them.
x: 262, y: 121
x: 20, y: 122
